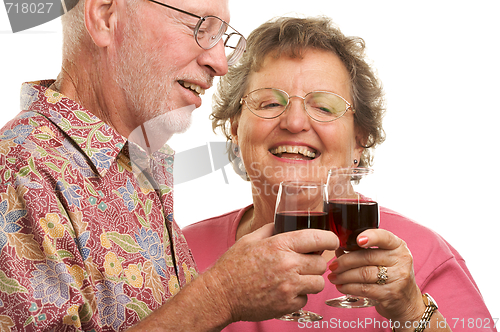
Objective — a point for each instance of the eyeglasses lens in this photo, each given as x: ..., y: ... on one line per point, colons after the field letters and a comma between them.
x: 324, y: 106
x: 235, y: 45
x: 210, y: 32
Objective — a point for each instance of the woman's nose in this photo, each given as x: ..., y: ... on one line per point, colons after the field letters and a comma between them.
x: 295, y: 118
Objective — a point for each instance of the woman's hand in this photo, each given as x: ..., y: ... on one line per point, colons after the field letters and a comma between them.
x: 355, y: 273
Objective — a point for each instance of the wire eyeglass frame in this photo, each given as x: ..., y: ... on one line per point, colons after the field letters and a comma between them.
x: 238, y: 50
x: 285, y: 107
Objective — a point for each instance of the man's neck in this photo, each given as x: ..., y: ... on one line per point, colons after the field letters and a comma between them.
x: 91, y: 86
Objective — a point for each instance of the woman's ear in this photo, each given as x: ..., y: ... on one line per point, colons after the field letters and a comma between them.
x: 234, y: 122
x: 360, y: 144
x: 100, y: 20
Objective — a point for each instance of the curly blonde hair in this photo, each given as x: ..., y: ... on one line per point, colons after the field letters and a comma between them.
x: 291, y: 37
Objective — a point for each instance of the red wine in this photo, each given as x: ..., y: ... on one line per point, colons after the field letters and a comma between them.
x: 295, y: 220
x: 348, y: 218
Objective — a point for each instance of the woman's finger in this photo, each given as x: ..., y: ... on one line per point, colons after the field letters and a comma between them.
x: 377, y: 275
x: 379, y: 238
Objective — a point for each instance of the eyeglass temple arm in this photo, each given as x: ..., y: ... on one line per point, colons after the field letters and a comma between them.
x: 177, y: 9
x: 229, y: 36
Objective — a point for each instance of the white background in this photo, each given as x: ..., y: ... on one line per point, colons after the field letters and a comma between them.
x: 439, y: 62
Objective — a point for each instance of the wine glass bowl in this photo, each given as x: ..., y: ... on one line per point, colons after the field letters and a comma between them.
x: 352, y: 208
x: 300, y: 205
x: 350, y: 218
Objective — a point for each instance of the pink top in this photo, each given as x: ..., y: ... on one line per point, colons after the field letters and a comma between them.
x: 439, y: 271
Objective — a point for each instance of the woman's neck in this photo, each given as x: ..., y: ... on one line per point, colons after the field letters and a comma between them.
x: 257, y: 216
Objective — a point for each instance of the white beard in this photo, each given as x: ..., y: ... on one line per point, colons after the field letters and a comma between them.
x: 153, y: 134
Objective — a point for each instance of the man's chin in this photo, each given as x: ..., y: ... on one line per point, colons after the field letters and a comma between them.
x: 154, y: 133
x: 179, y: 120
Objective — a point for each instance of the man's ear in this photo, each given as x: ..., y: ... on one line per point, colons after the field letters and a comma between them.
x: 100, y: 20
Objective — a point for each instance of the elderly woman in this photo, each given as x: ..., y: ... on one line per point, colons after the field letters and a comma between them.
x: 268, y: 107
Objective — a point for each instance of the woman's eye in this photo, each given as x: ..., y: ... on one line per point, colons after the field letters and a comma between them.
x: 270, y: 104
x: 322, y: 108
x: 327, y: 109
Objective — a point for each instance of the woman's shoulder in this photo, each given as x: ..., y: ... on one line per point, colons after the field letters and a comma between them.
x: 225, y: 221
x: 402, y: 225
x: 429, y: 249
x: 410, y: 230
x: 210, y: 238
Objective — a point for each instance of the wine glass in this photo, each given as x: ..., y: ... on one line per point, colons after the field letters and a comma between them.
x: 300, y: 205
x: 352, y: 209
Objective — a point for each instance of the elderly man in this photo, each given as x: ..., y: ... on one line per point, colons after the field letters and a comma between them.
x: 89, y: 243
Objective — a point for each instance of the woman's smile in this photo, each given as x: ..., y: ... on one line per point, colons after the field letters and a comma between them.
x: 294, y: 152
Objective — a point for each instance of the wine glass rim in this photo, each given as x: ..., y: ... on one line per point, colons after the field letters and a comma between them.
x: 303, y: 183
x: 351, y: 170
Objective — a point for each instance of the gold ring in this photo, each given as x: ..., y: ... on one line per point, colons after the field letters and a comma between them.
x: 382, y: 275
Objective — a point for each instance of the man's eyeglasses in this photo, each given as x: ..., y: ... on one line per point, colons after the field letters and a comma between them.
x: 322, y: 106
x: 210, y: 29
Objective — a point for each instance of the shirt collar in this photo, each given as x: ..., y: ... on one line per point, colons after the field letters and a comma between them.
x: 98, y: 141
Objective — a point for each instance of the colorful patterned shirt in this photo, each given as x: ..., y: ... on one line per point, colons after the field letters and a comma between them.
x: 86, y: 243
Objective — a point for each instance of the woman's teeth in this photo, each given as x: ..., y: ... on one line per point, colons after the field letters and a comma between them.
x: 305, y: 151
x: 196, y: 88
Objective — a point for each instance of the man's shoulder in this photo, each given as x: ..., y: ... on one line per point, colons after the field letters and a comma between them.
x: 20, y: 133
x: 24, y: 119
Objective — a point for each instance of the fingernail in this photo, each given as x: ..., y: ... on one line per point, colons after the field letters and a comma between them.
x: 332, y: 277
x: 334, y: 265
x: 362, y: 240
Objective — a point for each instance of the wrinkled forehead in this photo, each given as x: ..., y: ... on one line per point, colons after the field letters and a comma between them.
x: 313, y: 70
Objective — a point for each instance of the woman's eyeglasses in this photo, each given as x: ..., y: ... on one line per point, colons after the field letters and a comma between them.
x: 322, y: 106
